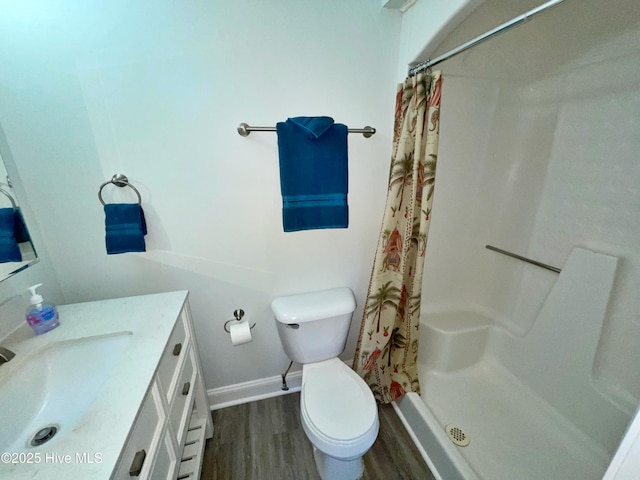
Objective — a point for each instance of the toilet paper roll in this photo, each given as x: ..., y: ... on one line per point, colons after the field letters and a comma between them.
x: 240, y: 332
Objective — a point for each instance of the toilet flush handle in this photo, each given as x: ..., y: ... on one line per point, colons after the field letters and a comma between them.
x: 295, y: 326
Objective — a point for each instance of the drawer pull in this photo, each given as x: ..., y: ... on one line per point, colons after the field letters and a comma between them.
x: 185, y: 388
x: 136, y: 465
x: 177, y: 348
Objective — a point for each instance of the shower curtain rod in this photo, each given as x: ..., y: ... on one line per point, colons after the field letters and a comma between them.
x: 481, y: 38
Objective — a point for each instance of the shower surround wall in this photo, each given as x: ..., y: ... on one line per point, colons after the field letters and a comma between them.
x: 155, y: 90
x: 538, y: 155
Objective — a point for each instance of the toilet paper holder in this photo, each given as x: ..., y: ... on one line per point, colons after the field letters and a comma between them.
x: 238, y: 314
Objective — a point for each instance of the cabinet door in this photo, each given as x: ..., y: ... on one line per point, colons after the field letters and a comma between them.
x: 166, y: 462
x: 138, y: 455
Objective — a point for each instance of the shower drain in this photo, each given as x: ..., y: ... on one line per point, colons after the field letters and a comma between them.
x: 457, y: 435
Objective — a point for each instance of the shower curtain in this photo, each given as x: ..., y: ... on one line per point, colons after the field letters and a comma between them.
x: 387, y: 349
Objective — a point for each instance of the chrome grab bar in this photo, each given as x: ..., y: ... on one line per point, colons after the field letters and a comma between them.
x: 524, y: 259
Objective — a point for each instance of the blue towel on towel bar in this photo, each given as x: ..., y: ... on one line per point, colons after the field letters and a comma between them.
x: 9, y: 250
x: 125, y: 227
x: 313, y: 173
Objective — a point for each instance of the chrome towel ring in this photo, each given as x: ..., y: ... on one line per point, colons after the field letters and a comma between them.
x: 119, y: 180
x: 6, y: 194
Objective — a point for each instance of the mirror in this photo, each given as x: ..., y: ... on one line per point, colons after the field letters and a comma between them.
x: 16, y: 248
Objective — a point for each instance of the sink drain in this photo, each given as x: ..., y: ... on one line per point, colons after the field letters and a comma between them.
x: 43, y: 435
x: 457, y: 435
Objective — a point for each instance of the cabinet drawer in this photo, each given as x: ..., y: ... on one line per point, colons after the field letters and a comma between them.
x: 174, y: 353
x: 138, y: 454
x: 182, y: 398
x: 166, y: 463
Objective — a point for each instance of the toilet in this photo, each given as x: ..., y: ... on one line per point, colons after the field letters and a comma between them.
x: 337, y: 409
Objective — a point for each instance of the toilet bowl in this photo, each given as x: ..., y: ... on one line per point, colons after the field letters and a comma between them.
x: 337, y: 409
x: 339, y: 416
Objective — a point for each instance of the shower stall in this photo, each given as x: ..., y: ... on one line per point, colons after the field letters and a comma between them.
x: 526, y: 372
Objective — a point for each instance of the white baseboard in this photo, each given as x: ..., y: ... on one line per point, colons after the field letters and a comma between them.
x: 253, y: 390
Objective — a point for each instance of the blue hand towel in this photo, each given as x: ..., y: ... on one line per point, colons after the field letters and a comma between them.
x: 20, y: 228
x: 313, y: 173
x: 125, y: 228
x: 9, y: 250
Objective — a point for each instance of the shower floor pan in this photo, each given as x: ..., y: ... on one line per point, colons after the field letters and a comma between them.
x: 512, y: 432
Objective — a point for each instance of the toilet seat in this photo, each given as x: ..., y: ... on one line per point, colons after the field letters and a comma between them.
x: 338, y: 410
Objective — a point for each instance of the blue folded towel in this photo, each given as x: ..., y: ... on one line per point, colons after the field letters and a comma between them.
x: 20, y: 228
x: 313, y: 173
x: 9, y: 250
x: 125, y: 228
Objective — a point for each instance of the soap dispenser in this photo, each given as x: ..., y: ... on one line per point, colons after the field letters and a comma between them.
x: 41, y: 316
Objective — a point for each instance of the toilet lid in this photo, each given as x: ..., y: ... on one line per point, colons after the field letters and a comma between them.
x: 338, y: 402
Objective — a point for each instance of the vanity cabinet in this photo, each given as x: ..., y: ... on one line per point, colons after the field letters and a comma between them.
x: 167, y: 440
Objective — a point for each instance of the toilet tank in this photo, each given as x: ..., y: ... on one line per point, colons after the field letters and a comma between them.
x: 314, y: 326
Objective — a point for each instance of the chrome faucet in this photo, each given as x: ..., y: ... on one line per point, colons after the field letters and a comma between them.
x: 5, y: 355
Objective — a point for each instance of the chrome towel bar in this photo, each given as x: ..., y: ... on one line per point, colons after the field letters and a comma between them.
x: 244, y: 130
x: 524, y: 259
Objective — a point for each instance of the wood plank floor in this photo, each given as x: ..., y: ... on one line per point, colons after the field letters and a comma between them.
x: 264, y: 440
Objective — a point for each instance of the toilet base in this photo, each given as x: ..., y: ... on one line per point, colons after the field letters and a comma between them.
x: 331, y: 468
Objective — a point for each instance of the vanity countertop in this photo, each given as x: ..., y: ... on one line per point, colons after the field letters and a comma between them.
x: 92, y: 449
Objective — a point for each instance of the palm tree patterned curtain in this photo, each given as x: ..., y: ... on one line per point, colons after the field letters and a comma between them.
x: 387, y: 348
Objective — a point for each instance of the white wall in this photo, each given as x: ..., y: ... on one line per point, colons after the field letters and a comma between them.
x: 155, y: 91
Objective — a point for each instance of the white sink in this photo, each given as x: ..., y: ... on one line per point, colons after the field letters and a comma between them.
x: 54, y: 388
